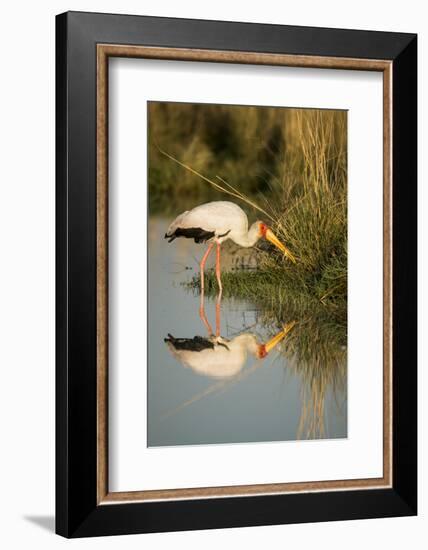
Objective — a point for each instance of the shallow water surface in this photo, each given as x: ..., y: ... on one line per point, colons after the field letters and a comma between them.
x: 217, y: 375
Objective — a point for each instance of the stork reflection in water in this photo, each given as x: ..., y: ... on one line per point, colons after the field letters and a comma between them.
x: 218, y: 357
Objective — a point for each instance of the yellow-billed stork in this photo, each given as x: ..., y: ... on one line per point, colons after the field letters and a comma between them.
x: 215, y: 222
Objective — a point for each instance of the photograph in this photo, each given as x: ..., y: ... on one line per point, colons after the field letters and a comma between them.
x: 247, y: 274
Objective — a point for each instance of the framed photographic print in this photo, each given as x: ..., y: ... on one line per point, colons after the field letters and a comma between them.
x: 236, y: 274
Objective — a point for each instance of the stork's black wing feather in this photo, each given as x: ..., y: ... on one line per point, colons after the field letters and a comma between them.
x: 198, y: 234
x: 198, y: 343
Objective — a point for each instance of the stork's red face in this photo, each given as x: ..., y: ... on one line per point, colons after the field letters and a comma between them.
x: 264, y: 349
x: 271, y: 237
x: 261, y: 351
x: 263, y: 229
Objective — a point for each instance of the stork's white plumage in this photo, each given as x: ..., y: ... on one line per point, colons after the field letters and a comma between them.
x: 215, y: 357
x: 215, y: 222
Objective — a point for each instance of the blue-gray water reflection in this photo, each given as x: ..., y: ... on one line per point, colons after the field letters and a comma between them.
x: 216, y: 374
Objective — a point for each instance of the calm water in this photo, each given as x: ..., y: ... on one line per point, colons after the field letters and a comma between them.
x: 205, y: 391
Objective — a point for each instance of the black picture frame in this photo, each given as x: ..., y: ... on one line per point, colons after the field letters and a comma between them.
x: 77, y: 512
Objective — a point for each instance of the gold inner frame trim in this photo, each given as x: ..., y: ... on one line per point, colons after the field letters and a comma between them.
x: 104, y: 51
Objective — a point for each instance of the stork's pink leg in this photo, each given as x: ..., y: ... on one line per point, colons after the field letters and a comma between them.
x: 202, y: 264
x: 218, y: 315
x: 203, y: 316
x: 217, y: 269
